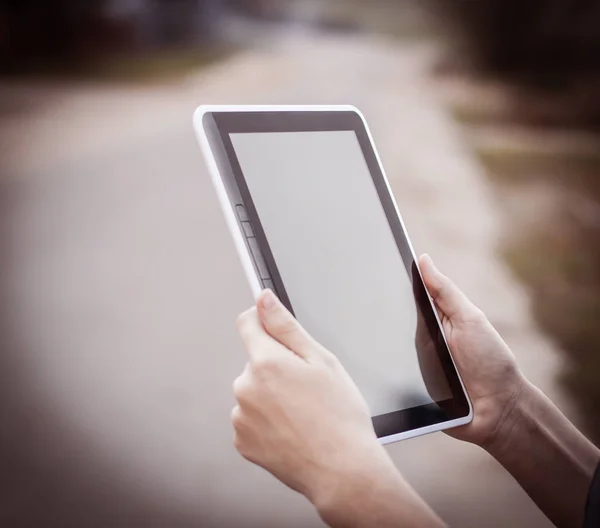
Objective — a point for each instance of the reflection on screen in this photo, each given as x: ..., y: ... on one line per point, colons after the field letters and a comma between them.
x: 339, y: 261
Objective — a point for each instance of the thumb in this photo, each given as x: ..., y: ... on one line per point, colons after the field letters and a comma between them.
x: 282, y: 326
x: 447, y: 295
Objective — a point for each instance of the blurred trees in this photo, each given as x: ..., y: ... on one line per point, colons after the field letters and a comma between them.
x: 552, y: 46
x: 546, y: 55
x: 252, y: 7
x: 41, y: 31
x: 37, y: 28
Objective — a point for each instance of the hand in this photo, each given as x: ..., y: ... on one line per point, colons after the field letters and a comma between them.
x: 486, y: 364
x: 513, y: 420
x: 300, y: 416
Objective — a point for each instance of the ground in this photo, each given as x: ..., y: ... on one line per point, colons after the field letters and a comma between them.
x: 121, y: 285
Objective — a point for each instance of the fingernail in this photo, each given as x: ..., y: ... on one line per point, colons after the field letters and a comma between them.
x: 268, y: 300
x: 430, y: 262
x: 428, y: 259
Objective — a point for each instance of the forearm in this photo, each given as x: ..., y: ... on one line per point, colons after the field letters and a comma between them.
x: 373, y: 494
x: 548, y: 456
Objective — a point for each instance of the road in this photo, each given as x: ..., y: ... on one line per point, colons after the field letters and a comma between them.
x: 120, y: 285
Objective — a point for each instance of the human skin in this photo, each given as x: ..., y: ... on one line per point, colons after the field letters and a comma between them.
x: 301, y: 417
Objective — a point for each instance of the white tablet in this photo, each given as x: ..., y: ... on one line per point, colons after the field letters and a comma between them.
x: 313, y: 218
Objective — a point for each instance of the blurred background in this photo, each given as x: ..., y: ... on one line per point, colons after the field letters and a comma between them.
x: 119, y: 284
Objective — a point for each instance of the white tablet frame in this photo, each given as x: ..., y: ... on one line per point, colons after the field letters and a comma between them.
x: 239, y: 240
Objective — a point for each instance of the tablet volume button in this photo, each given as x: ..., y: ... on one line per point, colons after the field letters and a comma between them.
x: 247, y: 228
x: 259, y: 261
x: 241, y: 213
x: 261, y: 265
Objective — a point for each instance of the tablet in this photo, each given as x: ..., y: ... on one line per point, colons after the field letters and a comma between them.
x: 313, y: 218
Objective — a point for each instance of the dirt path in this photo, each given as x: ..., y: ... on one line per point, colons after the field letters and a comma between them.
x: 122, y: 286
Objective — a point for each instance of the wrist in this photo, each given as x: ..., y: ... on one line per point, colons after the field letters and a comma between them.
x: 370, y: 493
x: 339, y: 489
x: 513, y: 419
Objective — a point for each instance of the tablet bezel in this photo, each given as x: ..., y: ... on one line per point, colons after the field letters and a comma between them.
x: 214, y: 126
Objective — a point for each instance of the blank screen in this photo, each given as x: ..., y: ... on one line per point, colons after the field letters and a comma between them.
x: 338, y: 259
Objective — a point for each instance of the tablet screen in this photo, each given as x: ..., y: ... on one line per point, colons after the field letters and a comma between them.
x: 340, y: 263
x: 322, y: 216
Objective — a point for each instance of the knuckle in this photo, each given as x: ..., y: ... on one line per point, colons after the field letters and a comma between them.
x: 237, y: 442
x: 476, y: 315
x: 439, y: 290
x: 240, y: 321
x: 244, y: 320
x: 329, y: 358
x: 266, y: 366
x: 285, y: 327
x: 241, y: 445
x: 479, y: 314
x: 240, y: 388
x: 236, y: 416
x: 333, y: 361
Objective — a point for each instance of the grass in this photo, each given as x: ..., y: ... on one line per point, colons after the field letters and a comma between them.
x: 582, y: 169
x: 385, y: 17
x: 475, y: 114
x: 557, y: 259
x: 128, y: 67
x: 560, y: 265
x: 563, y: 275
x: 148, y: 66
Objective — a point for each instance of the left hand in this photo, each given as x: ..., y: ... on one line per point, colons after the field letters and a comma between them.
x: 299, y: 415
x: 487, y: 366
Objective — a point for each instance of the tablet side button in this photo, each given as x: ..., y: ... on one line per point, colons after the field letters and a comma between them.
x: 261, y: 265
x: 247, y: 228
x: 241, y: 213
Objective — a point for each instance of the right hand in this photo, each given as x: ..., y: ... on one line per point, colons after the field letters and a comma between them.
x: 486, y: 364
x: 299, y: 415
x: 302, y: 418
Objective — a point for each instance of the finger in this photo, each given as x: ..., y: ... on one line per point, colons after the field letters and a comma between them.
x: 447, y: 295
x: 236, y: 417
x: 241, y: 385
x: 246, y: 371
x: 282, y: 326
x: 257, y: 341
